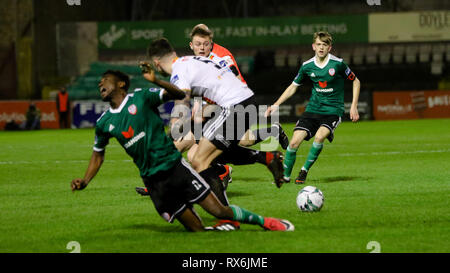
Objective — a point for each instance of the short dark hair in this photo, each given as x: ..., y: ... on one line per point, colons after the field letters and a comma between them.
x: 159, y: 48
x: 121, y: 76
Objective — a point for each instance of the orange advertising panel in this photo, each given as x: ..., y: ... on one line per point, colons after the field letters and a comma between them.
x: 411, y: 105
x: 16, y: 111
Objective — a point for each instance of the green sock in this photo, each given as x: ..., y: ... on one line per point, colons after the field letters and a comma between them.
x: 245, y: 216
x: 289, y: 161
x: 313, y: 155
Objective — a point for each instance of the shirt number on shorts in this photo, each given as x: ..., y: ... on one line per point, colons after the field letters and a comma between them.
x: 196, y: 184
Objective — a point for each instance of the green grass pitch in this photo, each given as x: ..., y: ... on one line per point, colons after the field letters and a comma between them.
x: 386, y: 182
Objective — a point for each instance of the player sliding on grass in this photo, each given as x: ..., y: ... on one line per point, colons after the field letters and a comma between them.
x: 133, y: 119
x: 326, y: 106
x: 203, y: 45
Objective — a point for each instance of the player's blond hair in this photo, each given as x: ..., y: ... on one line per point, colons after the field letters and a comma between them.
x: 323, y: 36
x: 201, y: 29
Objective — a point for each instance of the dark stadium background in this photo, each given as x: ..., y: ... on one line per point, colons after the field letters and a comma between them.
x: 41, y: 48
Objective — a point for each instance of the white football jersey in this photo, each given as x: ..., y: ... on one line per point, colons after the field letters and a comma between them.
x: 222, y: 61
x: 207, y: 79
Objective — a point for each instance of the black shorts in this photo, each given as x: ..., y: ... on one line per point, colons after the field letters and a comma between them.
x: 175, y: 190
x: 229, y: 124
x: 311, y: 122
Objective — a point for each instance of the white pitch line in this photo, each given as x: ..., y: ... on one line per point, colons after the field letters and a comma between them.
x: 24, y: 162
x: 389, y: 153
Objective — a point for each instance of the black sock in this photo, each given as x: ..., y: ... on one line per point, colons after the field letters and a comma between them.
x: 239, y: 155
x: 266, y: 132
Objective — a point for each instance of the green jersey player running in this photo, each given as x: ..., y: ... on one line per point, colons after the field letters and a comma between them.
x: 174, y: 186
x: 325, y: 107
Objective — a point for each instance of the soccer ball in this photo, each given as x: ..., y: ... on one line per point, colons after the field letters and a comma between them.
x: 310, y: 199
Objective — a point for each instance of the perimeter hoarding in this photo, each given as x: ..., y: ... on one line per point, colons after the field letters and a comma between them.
x: 265, y: 31
x: 16, y: 111
x: 411, y: 105
x: 409, y: 27
x: 86, y: 113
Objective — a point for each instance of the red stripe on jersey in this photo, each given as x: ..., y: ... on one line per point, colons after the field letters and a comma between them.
x: 209, y: 101
x: 351, y: 76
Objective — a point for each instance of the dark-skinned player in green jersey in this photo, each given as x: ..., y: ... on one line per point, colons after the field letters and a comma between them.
x: 325, y: 107
x: 133, y: 119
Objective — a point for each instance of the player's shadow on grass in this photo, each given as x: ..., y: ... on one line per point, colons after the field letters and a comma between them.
x: 232, y: 194
x: 158, y: 228
x: 334, y: 179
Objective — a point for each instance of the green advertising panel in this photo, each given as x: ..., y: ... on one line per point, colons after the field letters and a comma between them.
x: 266, y: 31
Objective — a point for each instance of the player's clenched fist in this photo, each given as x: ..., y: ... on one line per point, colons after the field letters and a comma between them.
x: 78, y: 184
x: 270, y: 110
x: 147, y: 72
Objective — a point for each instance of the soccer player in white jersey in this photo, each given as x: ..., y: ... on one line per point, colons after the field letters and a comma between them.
x: 203, y: 45
x: 200, y: 76
x: 326, y: 106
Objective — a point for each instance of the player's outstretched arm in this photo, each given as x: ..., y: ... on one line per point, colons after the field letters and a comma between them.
x: 289, y: 92
x: 354, y: 115
x: 95, y: 163
x: 172, y: 91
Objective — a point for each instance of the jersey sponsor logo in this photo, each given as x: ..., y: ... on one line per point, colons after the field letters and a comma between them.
x: 323, y: 88
x: 323, y: 84
x: 174, y: 79
x: 129, y: 134
x: 132, y: 109
x: 326, y: 90
x: 134, y: 140
x: 331, y: 71
x: 348, y: 71
x: 228, y: 60
x: 313, y: 75
x: 111, y: 127
x: 223, y: 63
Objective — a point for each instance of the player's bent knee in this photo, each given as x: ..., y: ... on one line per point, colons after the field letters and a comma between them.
x: 214, y: 207
x: 319, y: 139
x: 197, y: 163
x: 191, y: 153
x: 294, y: 143
x: 190, y: 221
x: 201, y: 162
